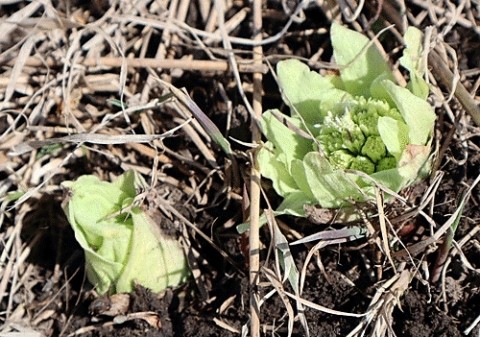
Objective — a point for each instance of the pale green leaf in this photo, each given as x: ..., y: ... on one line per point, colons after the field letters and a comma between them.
x: 394, y: 134
x: 359, y: 60
x: 391, y: 179
x: 416, y: 112
x: 418, y: 86
x: 152, y: 252
x: 298, y: 174
x: 293, y: 204
x: 306, y: 91
x: 413, y: 161
x: 378, y: 91
x: 413, y: 61
x: 94, y: 201
x: 412, y: 54
x: 331, y: 189
x: 285, y: 140
x: 275, y: 170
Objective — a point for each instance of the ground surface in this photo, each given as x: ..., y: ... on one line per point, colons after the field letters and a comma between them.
x: 62, y: 72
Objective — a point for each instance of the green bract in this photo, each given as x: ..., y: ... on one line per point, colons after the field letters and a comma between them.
x: 122, y: 245
x: 360, y: 120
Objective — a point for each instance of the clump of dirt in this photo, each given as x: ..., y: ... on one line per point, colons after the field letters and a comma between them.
x: 418, y: 318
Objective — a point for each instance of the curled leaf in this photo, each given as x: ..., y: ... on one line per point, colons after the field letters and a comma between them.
x: 122, y: 245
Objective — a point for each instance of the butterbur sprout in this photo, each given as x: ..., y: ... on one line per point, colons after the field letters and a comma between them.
x: 123, y: 247
x: 357, y: 123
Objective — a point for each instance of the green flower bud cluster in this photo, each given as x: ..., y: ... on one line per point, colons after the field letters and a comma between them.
x: 349, y: 135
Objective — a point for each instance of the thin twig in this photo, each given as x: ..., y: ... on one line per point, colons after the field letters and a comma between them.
x: 254, y: 238
x: 443, y: 73
x: 115, y: 62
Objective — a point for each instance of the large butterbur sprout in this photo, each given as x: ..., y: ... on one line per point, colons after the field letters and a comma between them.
x: 348, y: 132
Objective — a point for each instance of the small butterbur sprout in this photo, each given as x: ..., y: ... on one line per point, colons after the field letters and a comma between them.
x: 360, y: 122
x: 123, y: 246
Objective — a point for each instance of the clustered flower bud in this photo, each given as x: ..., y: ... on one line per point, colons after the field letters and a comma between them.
x: 349, y: 135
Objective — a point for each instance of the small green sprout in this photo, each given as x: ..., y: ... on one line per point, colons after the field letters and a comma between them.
x: 122, y: 245
x: 360, y: 120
